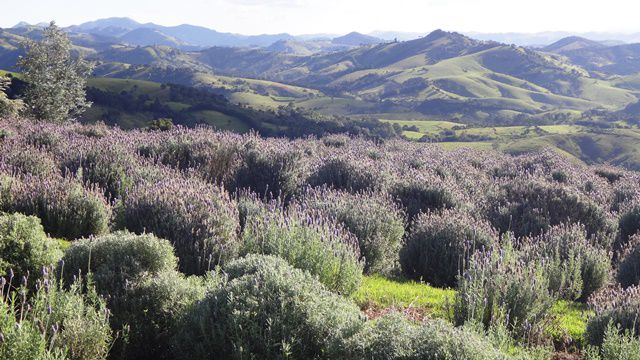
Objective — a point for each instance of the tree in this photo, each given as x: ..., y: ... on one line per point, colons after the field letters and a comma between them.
x: 56, y: 79
x: 8, y: 107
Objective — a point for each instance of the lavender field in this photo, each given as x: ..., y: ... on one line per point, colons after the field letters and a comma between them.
x: 198, y: 244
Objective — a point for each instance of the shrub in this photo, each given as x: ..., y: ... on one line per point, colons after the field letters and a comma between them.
x: 628, y: 225
x: 439, y: 246
x: 24, y: 247
x: 373, y: 218
x: 66, y: 209
x: 421, y: 194
x: 575, y: 266
x: 342, y: 173
x: 214, y: 157
x: 616, y: 345
x: 501, y: 288
x: 28, y: 160
x: 152, y: 308
x: 54, y: 323
x: 117, y: 259
x: 394, y: 337
x: 200, y: 220
x: 531, y: 207
x: 110, y: 166
x: 268, y: 310
x: 615, y: 306
x: 312, y: 243
x: 271, y: 172
x: 629, y: 267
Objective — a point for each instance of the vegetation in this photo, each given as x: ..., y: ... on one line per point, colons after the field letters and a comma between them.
x: 194, y: 257
x: 56, y: 80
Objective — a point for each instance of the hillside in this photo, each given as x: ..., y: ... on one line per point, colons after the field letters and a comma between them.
x: 572, y: 43
x: 444, y: 74
x: 356, y: 39
x: 613, y: 60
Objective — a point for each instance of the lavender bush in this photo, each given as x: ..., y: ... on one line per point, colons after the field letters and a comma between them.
x: 199, y: 219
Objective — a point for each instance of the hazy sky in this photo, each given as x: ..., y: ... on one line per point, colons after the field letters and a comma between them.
x: 341, y: 16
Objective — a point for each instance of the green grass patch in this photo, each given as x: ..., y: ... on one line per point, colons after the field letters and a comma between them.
x: 385, y: 293
x: 571, y: 319
x: 64, y: 244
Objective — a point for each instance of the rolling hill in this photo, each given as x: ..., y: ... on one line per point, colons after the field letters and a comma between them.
x: 443, y: 74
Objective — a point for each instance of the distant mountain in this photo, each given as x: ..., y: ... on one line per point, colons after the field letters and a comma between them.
x: 146, y: 36
x: 181, y: 35
x: 356, y: 39
x: 614, y: 60
x: 545, y: 38
x: 572, y: 43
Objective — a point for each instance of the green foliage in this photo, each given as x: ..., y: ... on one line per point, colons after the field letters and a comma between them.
x: 315, y: 244
x: 438, y: 248
x: 199, y: 219
x: 152, y: 308
x: 617, y: 345
x: 24, y: 247
x: 161, y: 124
x: 8, y: 107
x: 268, y: 310
x: 394, y: 337
x: 118, y: 258
x: 54, y: 323
x: 66, y: 209
x: 575, y: 266
x: 382, y: 293
x: 55, y: 79
x: 373, y: 218
x: 501, y: 289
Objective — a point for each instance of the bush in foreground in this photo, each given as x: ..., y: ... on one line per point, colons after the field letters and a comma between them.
x: 312, y: 243
x: 268, y: 310
x: 373, y: 218
x: 199, y: 219
x: 152, y: 308
x: 617, y: 345
x: 395, y: 337
x: 574, y: 265
x: 439, y: 246
x: 54, y: 323
x: 501, y: 288
x: 116, y: 259
x: 24, y: 247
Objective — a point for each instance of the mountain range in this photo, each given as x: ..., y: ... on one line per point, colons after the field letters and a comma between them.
x: 443, y: 74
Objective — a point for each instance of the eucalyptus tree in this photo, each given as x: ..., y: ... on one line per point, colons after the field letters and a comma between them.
x: 56, y: 77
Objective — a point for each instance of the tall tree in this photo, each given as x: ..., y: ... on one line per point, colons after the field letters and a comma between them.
x: 56, y: 79
x: 8, y: 107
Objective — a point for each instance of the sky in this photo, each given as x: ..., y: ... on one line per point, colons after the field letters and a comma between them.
x: 342, y: 16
